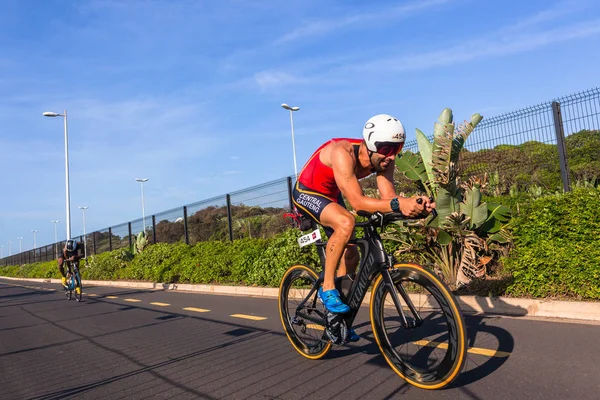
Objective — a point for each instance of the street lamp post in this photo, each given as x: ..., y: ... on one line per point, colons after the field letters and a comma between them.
x: 1, y: 251
x: 84, y: 235
x: 9, y: 243
x: 68, y: 195
x: 55, y: 238
x: 20, y: 239
x: 141, y: 181
x: 34, y: 232
x: 292, y: 109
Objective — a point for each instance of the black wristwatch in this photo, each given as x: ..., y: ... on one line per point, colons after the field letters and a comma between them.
x: 395, y: 205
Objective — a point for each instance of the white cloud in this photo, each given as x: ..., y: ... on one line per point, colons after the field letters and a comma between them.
x: 363, y: 20
x: 492, y: 46
x: 558, y: 11
x: 266, y: 79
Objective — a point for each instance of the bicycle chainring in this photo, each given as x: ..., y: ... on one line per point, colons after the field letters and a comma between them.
x: 337, y: 329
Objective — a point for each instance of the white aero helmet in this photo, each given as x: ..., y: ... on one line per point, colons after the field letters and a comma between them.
x: 383, y: 130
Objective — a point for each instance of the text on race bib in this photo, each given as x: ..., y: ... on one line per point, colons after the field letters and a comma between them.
x: 309, y: 238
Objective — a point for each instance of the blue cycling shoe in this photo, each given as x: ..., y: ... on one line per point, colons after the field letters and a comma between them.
x: 353, y: 336
x: 332, y: 302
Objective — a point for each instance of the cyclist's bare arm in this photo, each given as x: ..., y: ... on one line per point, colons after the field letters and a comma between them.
x: 343, y: 163
x: 385, y: 184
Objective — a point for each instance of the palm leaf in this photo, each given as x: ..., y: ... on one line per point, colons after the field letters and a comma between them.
x: 444, y: 238
x: 425, y: 148
x: 441, y: 163
x: 502, y: 236
x: 459, y: 139
x: 498, y: 216
x: 469, y: 263
x: 499, y: 212
x: 472, y: 207
x: 411, y: 165
x: 446, y: 203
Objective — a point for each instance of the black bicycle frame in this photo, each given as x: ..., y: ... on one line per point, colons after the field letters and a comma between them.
x: 374, y: 261
x: 73, y: 269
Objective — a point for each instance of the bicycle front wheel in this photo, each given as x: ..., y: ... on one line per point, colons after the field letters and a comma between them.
x: 70, y: 287
x: 78, y: 287
x: 304, y: 324
x: 426, y: 343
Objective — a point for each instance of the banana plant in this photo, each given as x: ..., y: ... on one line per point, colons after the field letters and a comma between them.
x: 465, y: 226
x: 140, y: 243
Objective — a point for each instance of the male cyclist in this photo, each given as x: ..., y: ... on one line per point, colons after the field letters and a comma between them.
x: 334, y: 170
x: 72, y: 251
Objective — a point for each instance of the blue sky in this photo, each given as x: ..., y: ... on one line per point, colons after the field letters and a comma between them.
x: 188, y: 93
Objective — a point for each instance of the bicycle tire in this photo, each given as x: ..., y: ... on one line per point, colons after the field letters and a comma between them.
x: 78, y: 296
x: 68, y: 289
x: 426, y: 369
x: 315, y: 344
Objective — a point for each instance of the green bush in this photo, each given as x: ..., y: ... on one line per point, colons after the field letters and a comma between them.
x: 106, y: 266
x: 556, y: 247
x: 45, y: 270
x: 556, y: 254
x: 249, y: 261
x: 212, y: 262
x: 158, y: 263
x: 281, y: 253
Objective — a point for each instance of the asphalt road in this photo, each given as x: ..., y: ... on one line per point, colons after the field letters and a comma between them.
x: 138, y: 344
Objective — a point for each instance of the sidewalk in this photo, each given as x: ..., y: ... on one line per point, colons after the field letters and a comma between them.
x: 472, y: 305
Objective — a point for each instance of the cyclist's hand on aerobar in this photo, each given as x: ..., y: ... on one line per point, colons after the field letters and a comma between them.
x: 416, y: 206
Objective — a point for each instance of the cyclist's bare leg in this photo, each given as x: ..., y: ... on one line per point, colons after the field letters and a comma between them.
x: 61, y: 266
x: 349, y: 261
x: 342, y: 223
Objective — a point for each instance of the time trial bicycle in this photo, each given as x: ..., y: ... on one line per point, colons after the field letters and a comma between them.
x: 416, y: 321
x: 73, y: 281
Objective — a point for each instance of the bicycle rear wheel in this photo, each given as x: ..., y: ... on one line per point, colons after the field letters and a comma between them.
x: 304, y: 325
x: 429, y: 349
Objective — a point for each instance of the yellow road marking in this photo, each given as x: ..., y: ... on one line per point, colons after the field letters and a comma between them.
x: 132, y: 300
x: 315, y: 326
x: 488, y: 352
x: 472, y: 350
x: 160, y: 304
x: 244, y: 316
x: 111, y: 297
x: 196, y: 309
x: 91, y: 294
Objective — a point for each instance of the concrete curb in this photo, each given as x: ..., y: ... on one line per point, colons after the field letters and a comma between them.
x: 575, y: 310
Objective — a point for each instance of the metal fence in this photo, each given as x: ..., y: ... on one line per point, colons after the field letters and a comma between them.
x: 253, y: 212
x: 530, y: 146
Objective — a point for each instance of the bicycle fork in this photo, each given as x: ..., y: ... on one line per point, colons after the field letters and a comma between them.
x: 394, y: 289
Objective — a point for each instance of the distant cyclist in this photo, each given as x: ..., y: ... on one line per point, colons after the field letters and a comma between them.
x: 334, y: 170
x: 72, y: 251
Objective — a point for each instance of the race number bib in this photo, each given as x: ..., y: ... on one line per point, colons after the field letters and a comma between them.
x: 309, y: 238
